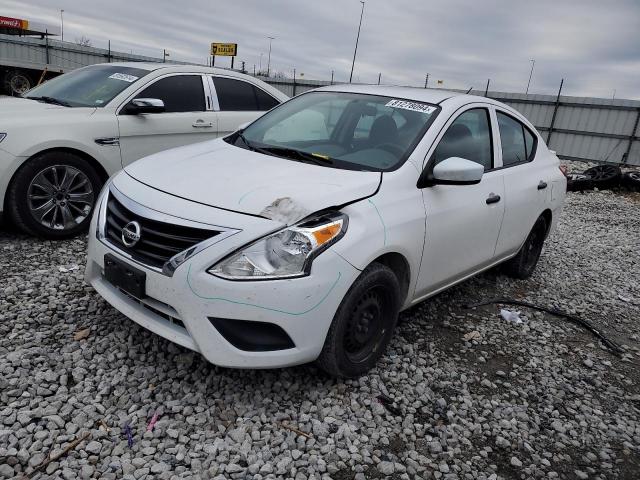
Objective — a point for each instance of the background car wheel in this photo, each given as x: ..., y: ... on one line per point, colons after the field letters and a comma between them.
x: 363, y: 325
x: 631, y: 180
x: 17, y: 82
x: 524, y: 263
x: 604, y: 176
x: 578, y: 182
x: 53, y: 195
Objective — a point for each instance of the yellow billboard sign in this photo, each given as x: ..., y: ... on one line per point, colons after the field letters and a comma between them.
x: 224, y: 49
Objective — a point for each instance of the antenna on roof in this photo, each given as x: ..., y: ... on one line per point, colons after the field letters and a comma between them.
x: 469, y: 89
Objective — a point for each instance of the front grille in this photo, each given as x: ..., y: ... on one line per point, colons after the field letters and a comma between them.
x: 158, y: 242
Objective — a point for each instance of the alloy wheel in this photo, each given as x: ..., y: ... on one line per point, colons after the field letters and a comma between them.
x: 60, y: 197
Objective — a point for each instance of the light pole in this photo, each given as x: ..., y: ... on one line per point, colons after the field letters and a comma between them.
x: 533, y: 64
x: 62, y: 24
x: 269, y: 60
x: 355, y: 50
x: 260, y: 65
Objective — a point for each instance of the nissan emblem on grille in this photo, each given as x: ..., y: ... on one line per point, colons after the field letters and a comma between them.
x: 131, y: 234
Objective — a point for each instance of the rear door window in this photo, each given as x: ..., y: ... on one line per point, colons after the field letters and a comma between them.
x: 238, y: 95
x: 517, y: 142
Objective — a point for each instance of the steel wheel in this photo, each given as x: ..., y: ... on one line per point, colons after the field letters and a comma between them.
x: 365, y: 327
x: 533, y: 247
x: 60, y: 197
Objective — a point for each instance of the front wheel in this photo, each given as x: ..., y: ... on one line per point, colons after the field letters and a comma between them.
x: 53, y: 195
x: 363, y: 324
x: 524, y: 263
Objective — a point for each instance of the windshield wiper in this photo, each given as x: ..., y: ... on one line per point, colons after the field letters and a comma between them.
x: 50, y: 100
x: 292, y: 153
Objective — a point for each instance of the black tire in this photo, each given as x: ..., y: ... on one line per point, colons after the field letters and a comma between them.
x: 524, y: 263
x: 631, y: 180
x: 17, y: 82
x: 66, y: 211
x: 363, y: 324
x: 604, y: 176
x: 578, y: 182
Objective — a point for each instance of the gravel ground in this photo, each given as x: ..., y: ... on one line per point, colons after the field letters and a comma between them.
x: 542, y: 399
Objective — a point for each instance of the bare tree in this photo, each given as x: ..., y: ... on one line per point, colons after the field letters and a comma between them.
x: 83, y: 41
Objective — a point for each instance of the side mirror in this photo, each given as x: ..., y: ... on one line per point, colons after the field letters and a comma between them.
x: 457, y: 171
x: 138, y: 106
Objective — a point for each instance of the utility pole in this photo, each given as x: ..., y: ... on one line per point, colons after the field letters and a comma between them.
x: 355, y: 50
x: 331, y: 77
x: 62, y: 24
x: 533, y: 64
x: 269, y: 61
x: 486, y: 90
x: 165, y: 54
x: 379, y: 77
x: 426, y: 81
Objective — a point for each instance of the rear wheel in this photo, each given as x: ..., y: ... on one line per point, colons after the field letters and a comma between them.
x: 53, y: 195
x: 524, y: 263
x: 363, y: 325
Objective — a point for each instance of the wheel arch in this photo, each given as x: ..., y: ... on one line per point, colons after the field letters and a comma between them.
x: 399, y: 265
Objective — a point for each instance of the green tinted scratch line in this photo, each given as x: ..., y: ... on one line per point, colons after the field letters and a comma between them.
x: 384, y: 227
x: 235, y: 302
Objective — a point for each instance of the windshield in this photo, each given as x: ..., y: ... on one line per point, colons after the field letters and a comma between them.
x: 93, y: 86
x: 342, y: 130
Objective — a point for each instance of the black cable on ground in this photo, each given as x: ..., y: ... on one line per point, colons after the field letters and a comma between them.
x: 614, y: 347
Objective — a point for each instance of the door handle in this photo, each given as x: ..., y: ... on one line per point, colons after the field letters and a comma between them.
x: 542, y: 185
x: 201, y: 124
x: 493, y: 198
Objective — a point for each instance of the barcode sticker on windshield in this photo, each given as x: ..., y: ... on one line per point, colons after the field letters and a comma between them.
x: 414, y: 106
x: 124, y: 77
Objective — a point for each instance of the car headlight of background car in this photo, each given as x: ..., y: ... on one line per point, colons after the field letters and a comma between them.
x: 285, y: 254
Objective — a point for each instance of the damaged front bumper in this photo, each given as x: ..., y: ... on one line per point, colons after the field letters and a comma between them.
x: 248, y: 324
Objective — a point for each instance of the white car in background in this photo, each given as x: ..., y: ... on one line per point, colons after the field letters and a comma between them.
x: 64, y: 138
x: 301, y: 236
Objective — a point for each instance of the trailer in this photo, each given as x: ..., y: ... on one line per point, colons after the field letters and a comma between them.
x: 27, y: 61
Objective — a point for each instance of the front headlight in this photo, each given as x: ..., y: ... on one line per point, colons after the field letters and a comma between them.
x: 284, y: 254
x: 2, y: 136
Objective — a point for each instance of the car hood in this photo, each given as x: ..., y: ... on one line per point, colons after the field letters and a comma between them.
x: 220, y: 175
x: 17, y: 112
x: 21, y: 106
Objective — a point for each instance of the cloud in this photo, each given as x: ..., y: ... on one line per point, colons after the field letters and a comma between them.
x: 592, y: 44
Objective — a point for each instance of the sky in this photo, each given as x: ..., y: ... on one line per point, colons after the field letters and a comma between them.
x: 593, y: 44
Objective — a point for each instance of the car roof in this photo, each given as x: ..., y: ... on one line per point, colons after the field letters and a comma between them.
x: 173, y: 67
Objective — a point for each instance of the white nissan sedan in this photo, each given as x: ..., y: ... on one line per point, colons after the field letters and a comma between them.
x: 301, y: 236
